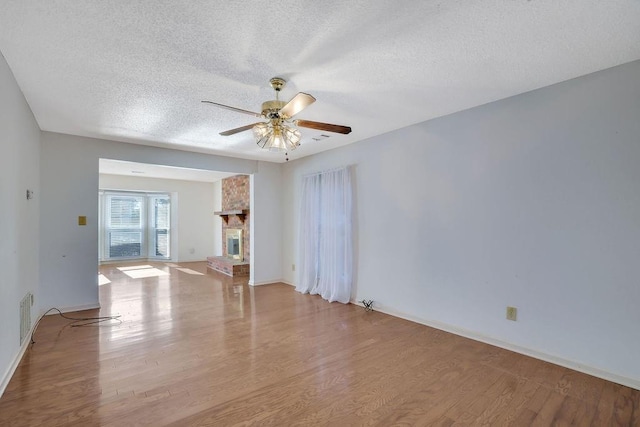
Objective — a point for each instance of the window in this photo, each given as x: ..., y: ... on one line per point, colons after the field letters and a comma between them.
x: 160, y: 224
x: 135, y: 225
x: 325, y: 233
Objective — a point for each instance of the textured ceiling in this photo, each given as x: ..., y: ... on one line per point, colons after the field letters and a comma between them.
x: 136, y: 71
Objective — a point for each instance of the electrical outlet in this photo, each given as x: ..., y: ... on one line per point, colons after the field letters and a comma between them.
x: 512, y: 313
x: 293, y: 267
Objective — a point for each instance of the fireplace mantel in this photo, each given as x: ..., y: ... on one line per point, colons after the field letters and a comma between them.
x: 240, y: 213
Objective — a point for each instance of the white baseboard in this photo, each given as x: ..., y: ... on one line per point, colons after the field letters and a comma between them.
x: 73, y: 308
x: 271, y: 282
x: 264, y: 282
x: 589, y: 370
x: 16, y: 361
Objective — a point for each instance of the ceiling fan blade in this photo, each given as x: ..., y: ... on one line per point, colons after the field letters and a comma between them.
x: 323, y: 126
x: 238, y: 130
x: 298, y: 103
x: 239, y: 110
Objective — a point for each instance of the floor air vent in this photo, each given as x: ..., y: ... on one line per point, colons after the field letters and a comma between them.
x: 25, y: 316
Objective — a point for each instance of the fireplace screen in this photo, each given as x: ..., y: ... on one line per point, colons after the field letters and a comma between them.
x: 234, y: 244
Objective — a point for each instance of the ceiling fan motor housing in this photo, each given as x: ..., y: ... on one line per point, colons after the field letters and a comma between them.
x: 270, y: 109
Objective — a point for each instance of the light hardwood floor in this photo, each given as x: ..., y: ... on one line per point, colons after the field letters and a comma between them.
x: 205, y: 350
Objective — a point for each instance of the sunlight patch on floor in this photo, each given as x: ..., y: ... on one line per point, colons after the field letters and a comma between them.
x: 134, y: 267
x: 142, y: 271
x: 102, y: 280
x: 190, y: 271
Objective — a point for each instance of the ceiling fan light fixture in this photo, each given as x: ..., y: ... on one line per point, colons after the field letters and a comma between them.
x: 276, y: 137
x: 277, y: 142
x: 261, y: 130
x: 292, y: 135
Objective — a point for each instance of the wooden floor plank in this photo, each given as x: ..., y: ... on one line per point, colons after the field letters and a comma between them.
x: 211, y: 350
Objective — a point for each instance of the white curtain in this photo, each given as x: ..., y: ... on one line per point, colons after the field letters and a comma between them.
x: 325, y: 235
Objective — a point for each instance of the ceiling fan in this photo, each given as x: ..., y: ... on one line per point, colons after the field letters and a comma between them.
x: 279, y: 133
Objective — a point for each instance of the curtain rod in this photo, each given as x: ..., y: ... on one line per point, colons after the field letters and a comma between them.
x: 327, y: 171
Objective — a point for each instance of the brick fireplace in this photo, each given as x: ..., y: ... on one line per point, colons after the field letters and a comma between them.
x: 235, y: 216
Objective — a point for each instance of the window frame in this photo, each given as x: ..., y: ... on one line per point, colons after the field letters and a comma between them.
x: 147, y: 225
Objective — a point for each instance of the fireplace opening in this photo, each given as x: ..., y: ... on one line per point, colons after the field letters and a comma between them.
x: 234, y: 244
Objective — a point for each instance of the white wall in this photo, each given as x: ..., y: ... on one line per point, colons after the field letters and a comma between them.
x: 217, y: 220
x: 19, y: 233
x: 69, y: 253
x: 532, y: 201
x: 195, y: 234
x: 266, y: 225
